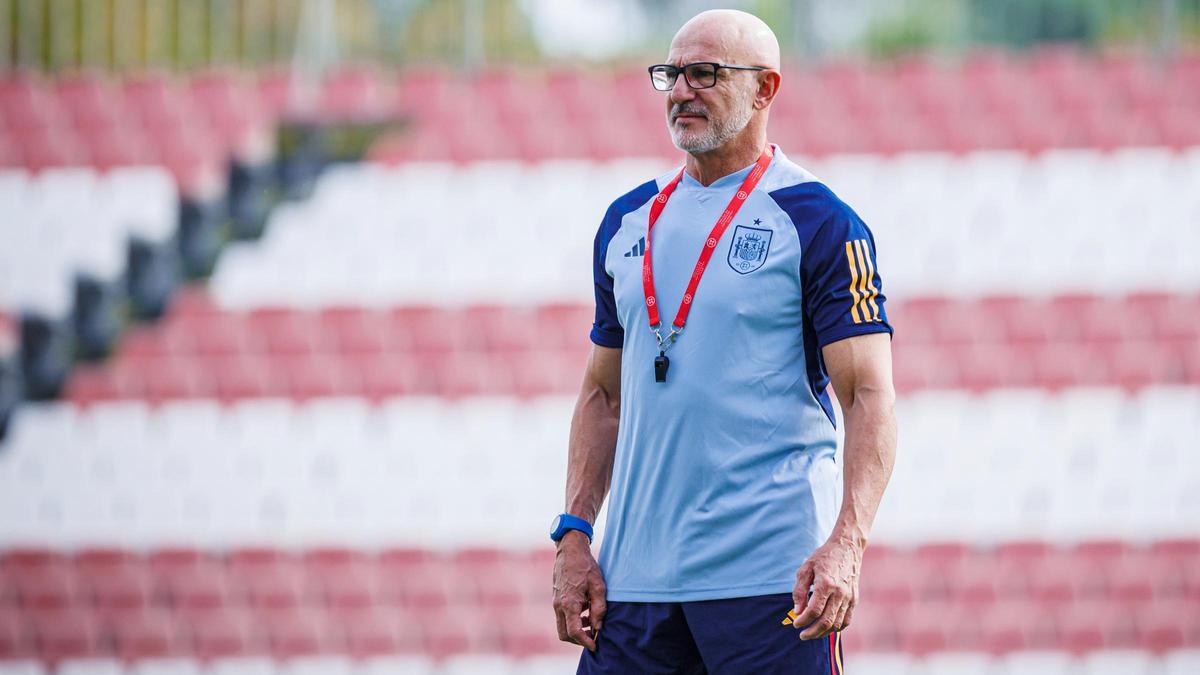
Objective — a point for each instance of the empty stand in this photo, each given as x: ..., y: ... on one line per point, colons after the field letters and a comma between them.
x: 943, y: 626
x: 989, y: 223
x: 1041, y: 462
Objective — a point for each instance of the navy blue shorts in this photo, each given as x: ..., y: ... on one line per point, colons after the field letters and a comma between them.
x: 722, y: 637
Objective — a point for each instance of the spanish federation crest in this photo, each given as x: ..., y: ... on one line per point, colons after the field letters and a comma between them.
x: 748, y: 250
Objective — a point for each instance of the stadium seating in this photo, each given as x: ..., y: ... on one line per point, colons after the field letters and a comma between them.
x: 989, y: 223
x: 307, y: 622
x: 1003, y: 464
x: 247, y: 486
x: 64, y: 222
x: 1051, y: 98
x: 1129, y: 341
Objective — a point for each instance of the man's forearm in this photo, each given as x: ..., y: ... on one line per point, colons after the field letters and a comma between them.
x: 592, y: 447
x: 870, y: 453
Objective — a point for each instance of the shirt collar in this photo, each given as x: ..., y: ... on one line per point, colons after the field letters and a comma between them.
x: 732, y: 180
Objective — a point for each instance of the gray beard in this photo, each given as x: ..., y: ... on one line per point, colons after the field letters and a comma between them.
x: 716, y: 133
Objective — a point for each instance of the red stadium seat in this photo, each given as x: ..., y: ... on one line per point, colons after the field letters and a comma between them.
x: 383, y: 376
x: 16, y: 636
x: 49, y: 586
x: 149, y: 634
x: 203, y: 586
x: 458, y: 632
x: 529, y: 632
x: 1017, y: 626
x: 248, y: 376
x: 925, y: 627
x: 1096, y: 625
x: 563, y: 326
x: 430, y: 329
x: 172, y: 379
x: 1139, y: 364
x: 424, y: 586
x: 1023, y: 552
x: 1062, y: 579
x: 68, y: 634
x: 119, y: 587
x: 272, y: 579
x: 320, y: 376
x: 357, y: 331
x: 381, y: 631
x: 1062, y: 364
x: 225, y: 633
x: 1167, y: 625
x: 288, y: 332
x: 300, y: 632
x: 1172, y: 316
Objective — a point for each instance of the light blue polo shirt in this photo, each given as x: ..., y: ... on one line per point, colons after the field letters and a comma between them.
x: 725, y: 477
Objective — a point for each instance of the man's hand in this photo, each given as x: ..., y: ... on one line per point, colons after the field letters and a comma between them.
x: 832, y: 573
x: 578, y: 587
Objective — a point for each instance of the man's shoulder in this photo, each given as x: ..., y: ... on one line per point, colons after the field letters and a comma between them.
x: 628, y: 203
x: 808, y: 202
x: 635, y: 198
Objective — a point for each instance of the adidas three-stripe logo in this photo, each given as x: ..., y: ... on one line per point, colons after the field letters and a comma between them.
x: 862, y: 282
x: 638, y: 250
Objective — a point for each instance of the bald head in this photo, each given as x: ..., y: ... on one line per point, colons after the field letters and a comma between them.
x: 727, y: 36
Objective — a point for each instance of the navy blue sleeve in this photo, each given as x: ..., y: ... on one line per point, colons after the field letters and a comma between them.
x: 842, y: 288
x: 607, y: 330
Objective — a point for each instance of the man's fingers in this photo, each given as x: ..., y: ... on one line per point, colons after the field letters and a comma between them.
x: 575, y: 629
x: 826, y: 622
x: 560, y: 618
x: 597, y: 607
x: 839, y: 622
x: 804, y: 580
x: 849, y: 613
x: 815, y: 606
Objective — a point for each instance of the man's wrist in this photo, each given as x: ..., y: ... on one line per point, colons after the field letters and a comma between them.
x: 851, y: 536
x: 573, y: 538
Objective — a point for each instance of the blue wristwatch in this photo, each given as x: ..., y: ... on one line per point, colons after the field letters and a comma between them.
x: 566, y: 522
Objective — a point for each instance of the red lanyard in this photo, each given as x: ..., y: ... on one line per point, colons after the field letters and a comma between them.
x: 660, y: 202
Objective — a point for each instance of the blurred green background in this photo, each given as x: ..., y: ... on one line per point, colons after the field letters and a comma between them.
x: 120, y: 34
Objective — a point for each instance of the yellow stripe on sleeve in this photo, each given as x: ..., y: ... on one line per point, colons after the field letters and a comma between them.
x: 862, y: 281
x: 853, y: 282
x: 874, y: 292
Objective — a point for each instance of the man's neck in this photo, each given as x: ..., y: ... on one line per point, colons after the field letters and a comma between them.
x: 736, y: 154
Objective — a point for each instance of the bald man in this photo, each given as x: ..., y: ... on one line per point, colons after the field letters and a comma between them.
x: 730, y: 293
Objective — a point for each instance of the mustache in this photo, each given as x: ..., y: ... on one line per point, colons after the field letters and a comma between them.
x: 687, y: 109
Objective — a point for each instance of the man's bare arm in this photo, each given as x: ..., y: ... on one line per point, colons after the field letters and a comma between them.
x: 578, y: 582
x: 593, y: 438
x: 860, y: 369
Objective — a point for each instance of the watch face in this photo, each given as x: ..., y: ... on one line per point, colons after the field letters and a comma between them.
x: 555, y: 523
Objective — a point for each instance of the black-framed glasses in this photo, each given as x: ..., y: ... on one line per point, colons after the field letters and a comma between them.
x: 699, y: 75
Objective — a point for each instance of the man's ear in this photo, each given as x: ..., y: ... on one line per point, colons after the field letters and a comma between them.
x: 768, y: 87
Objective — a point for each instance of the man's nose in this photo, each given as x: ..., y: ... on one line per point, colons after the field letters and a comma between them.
x: 682, y: 91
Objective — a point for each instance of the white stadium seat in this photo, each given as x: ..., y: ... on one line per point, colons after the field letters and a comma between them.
x: 957, y: 663
x: 165, y: 667
x: 65, y: 221
x: 547, y: 665
x: 1182, y: 662
x: 1120, y: 662
x: 1002, y: 465
x: 241, y: 666
x: 90, y: 667
x: 990, y: 222
x: 396, y: 665
x: 1039, y: 663
x: 477, y: 664
x: 322, y: 665
x: 879, y: 664
x: 22, y: 668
